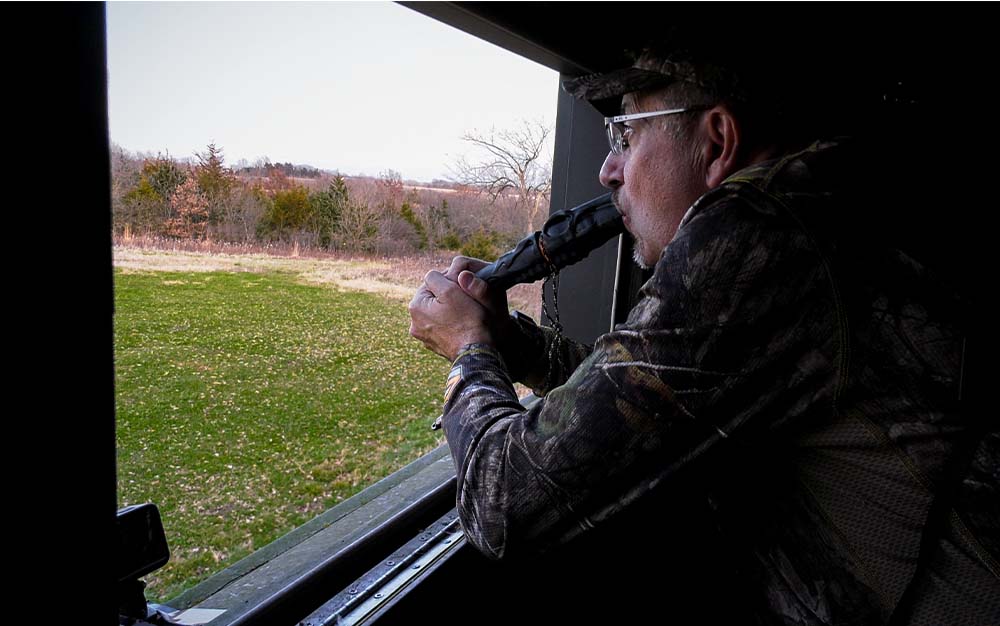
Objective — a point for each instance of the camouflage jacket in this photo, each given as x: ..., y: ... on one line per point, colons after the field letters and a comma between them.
x: 794, y: 380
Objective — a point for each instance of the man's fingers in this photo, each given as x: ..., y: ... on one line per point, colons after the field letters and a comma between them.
x: 462, y: 263
x: 443, y: 288
x: 429, y: 276
x: 443, y: 317
x: 420, y: 297
x: 475, y: 287
x: 437, y: 283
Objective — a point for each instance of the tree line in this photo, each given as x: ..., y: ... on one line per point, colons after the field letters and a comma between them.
x: 264, y: 167
x: 203, y: 199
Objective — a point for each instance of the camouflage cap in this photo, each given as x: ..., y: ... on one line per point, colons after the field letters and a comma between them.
x: 648, y: 71
x: 655, y: 66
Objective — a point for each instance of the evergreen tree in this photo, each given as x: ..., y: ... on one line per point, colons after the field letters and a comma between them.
x: 215, y: 180
x: 327, y: 207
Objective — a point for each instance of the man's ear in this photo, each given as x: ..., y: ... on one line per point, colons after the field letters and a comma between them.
x: 722, y: 148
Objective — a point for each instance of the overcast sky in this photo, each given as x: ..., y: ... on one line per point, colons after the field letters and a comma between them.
x: 359, y: 87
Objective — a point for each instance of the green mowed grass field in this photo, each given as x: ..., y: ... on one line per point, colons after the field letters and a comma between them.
x: 247, y: 403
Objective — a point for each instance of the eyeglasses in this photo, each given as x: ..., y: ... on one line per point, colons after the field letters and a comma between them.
x: 617, y: 130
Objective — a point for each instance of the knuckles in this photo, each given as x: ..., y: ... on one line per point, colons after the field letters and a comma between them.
x: 457, y: 265
x: 462, y: 263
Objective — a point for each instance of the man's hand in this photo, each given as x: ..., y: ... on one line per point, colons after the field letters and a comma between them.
x: 453, y: 309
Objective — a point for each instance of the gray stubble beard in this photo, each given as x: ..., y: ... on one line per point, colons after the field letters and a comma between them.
x: 637, y: 256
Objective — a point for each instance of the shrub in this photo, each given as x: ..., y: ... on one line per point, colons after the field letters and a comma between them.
x: 482, y: 244
x: 289, y: 211
x: 450, y: 241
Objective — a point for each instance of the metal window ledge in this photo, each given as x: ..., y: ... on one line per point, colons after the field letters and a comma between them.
x: 289, y: 578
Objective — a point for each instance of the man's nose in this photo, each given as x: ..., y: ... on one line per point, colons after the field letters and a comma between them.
x: 611, y: 172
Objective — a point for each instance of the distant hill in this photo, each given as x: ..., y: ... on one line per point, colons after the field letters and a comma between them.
x: 308, y: 172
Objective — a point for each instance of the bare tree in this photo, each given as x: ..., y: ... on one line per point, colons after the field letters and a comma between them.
x: 510, y: 164
x: 390, y: 182
x: 360, y: 217
x: 241, y: 214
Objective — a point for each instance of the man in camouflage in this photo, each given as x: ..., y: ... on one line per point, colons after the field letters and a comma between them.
x: 785, y: 371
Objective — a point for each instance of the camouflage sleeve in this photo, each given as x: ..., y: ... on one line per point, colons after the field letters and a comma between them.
x: 709, y: 357
x: 539, y: 358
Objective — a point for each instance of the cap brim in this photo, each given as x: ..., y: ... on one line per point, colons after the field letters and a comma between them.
x: 600, y: 88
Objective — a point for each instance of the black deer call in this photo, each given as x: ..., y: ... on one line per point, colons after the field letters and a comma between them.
x: 566, y: 237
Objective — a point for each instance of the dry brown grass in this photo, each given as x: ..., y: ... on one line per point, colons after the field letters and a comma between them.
x: 394, y: 277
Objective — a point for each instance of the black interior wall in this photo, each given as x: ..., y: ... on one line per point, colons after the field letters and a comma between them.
x: 60, y: 433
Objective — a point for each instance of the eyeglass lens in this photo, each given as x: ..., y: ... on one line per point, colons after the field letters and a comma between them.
x: 616, y: 131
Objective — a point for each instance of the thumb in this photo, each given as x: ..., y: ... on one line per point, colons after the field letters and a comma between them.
x: 475, y: 287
